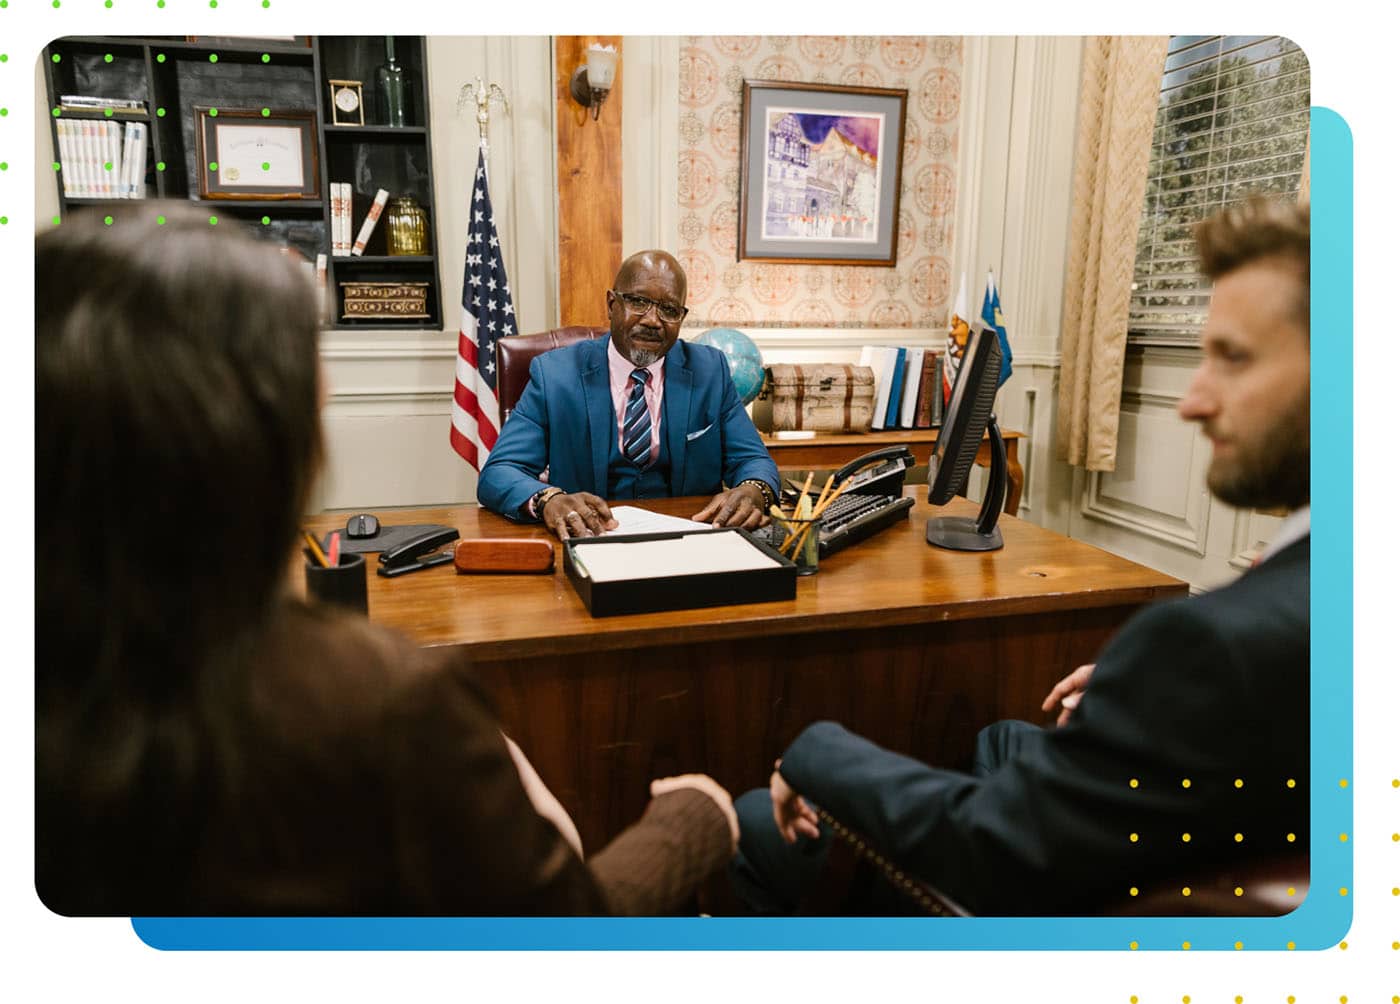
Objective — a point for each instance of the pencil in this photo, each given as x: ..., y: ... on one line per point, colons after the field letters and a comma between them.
x: 333, y: 555
x: 822, y: 506
x: 316, y: 549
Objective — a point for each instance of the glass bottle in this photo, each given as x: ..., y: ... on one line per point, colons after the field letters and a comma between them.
x: 408, y: 226
x: 392, y: 84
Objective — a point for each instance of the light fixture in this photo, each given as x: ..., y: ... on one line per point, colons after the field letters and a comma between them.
x: 591, y: 82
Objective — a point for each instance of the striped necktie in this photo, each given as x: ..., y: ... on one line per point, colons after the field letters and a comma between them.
x: 636, y: 424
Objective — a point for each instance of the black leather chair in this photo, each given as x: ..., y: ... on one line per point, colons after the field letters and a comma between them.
x: 513, y: 355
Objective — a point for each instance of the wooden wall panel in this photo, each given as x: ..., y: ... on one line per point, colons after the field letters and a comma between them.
x: 590, y: 186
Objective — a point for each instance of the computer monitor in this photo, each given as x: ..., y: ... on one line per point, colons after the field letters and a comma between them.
x: 969, y: 413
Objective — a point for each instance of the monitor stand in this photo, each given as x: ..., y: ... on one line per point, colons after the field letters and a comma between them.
x: 958, y: 533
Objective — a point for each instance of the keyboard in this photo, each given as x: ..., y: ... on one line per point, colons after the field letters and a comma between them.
x: 851, y: 519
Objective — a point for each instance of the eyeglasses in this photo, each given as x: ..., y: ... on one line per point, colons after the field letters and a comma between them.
x: 639, y: 305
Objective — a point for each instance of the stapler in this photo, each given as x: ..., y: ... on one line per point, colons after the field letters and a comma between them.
x: 417, y: 554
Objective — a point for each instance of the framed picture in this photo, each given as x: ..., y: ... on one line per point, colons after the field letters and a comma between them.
x: 820, y: 173
x: 244, y: 154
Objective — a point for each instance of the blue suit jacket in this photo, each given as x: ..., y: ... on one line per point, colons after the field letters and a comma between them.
x: 565, y: 421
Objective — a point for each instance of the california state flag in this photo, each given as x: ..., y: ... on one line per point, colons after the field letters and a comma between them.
x: 957, y: 339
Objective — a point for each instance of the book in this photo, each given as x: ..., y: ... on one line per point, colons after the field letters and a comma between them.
x: 371, y: 218
x: 882, y: 363
x: 930, y: 383
x: 91, y: 103
x: 65, y: 160
x: 138, y: 165
x: 908, y: 402
x: 340, y: 243
x: 896, y: 390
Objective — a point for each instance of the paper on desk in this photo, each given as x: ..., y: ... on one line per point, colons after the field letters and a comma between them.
x: 630, y: 519
x: 693, y: 554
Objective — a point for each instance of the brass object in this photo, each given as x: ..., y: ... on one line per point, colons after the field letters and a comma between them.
x: 408, y: 226
x: 384, y: 299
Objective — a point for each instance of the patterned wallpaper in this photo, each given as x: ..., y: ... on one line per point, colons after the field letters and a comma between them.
x: 723, y: 291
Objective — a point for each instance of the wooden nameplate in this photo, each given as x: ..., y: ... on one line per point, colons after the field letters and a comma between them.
x: 498, y: 554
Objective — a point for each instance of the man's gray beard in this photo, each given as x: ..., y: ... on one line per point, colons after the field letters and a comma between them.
x: 644, y: 357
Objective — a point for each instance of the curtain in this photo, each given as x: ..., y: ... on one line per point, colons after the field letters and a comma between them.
x: 1119, y: 87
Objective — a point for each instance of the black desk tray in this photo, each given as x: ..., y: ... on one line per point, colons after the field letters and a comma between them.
x: 680, y: 592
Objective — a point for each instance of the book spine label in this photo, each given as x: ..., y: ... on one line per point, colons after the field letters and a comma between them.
x: 371, y: 218
x: 338, y: 244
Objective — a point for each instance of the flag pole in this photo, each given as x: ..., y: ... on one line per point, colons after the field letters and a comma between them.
x: 483, y: 95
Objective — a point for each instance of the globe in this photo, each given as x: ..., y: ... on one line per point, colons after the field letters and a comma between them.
x: 745, y: 360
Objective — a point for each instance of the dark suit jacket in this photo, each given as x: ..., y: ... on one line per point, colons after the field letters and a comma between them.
x: 1208, y: 689
x: 565, y: 421
x: 335, y: 768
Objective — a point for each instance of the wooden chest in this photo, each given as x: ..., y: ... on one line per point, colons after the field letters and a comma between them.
x: 822, y: 397
x: 385, y: 299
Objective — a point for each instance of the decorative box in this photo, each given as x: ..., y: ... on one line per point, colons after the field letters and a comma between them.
x: 384, y: 299
x: 822, y: 397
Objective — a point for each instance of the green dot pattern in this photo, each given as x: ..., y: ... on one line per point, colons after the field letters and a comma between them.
x: 57, y: 58
x: 160, y: 113
x: 213, y: 165
x: 4, y: 220
x: 107, y: 112
x: 266, y: 58
x: 160, y: 165
x: 266, y: 220
x: 266, y: 112
x: 107, y: 166
x: 4, y: 165
x: 107, y: 220
x: 213, y: 57
x: 267, y: 166
x: 107, y: 57
x: 56, y: 112
x: 160, y: 221
x: 160, y: 57
x: 213, y: 221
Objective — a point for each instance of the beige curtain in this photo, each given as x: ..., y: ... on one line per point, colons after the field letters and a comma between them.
x: 1119, y: 86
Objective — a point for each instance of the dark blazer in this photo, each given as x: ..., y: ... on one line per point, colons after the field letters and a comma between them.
x: 1208, y: 689
x: 565, y: 421
x: 335, y: 768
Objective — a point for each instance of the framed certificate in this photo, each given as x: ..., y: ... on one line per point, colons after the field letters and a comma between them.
x: 246, y: 154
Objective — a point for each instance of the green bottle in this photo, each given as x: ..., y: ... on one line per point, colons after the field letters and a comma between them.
x: 392, y: 85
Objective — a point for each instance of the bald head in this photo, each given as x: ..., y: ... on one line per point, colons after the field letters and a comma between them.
x: 652, y: 262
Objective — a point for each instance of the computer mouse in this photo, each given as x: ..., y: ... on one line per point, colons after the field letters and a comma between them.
x: 362, y: 526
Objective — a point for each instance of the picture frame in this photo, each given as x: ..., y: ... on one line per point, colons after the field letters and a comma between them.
x: 246, y: 155
x: 821, y: 166
x: 347, y: 102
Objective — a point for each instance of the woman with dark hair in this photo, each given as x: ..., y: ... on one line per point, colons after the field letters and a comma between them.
x: 206, y: 744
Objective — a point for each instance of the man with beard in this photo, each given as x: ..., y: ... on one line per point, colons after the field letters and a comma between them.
x: 1184, y: 746
x: 640, y: 414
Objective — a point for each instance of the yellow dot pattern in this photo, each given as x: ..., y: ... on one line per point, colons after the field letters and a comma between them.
x: 1292, y: 783
x: 1186, y: 946
x: 1186, y: 782
x: 1239, y: 782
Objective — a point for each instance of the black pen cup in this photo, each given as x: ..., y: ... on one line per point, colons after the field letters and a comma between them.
x: 800, y: 541
x: 344, y: 584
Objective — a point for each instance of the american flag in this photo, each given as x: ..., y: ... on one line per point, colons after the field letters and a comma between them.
x: 487, y: 314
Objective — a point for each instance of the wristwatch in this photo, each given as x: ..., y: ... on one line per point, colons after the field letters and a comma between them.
x: 769, y: 498
x: 535, y: 504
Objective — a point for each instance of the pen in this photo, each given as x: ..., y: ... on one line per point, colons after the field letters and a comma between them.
x: 316, y: 549
x: 333, y: 555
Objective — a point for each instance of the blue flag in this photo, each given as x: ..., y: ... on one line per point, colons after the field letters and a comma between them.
x: 991, y: 316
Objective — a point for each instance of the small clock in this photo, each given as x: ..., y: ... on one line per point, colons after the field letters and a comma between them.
x: 347, y: 103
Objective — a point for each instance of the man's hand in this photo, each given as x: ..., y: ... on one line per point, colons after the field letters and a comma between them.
x: 1067, y: 692
x: 581, y: 514
x: 706, y: 785
x: 790, y: 811
x: 741, y: 507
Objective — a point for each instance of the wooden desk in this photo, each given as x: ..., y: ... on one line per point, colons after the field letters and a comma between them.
x: 833, y: 450
x: 915, y: 647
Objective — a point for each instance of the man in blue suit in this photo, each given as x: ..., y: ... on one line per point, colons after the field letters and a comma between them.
x: 640, y: 414
x: 1184, y: 748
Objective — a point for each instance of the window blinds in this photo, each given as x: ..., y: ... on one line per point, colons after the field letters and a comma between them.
x: 1232, y: 121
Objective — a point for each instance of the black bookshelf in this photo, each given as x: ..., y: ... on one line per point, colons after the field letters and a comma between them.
x: 172, y: 75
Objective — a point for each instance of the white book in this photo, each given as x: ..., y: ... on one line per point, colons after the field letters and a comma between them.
x: 65, y: 160
x: 112, y: 154
x: 128, y: 144
x: 913, y: 368
x: 138, y: 167
x: 883, y: 374
x: 371, y: 218
x: 340, y: 197
x: 87, y: 139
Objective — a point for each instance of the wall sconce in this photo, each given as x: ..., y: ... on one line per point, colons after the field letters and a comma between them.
x: 591, y: 82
